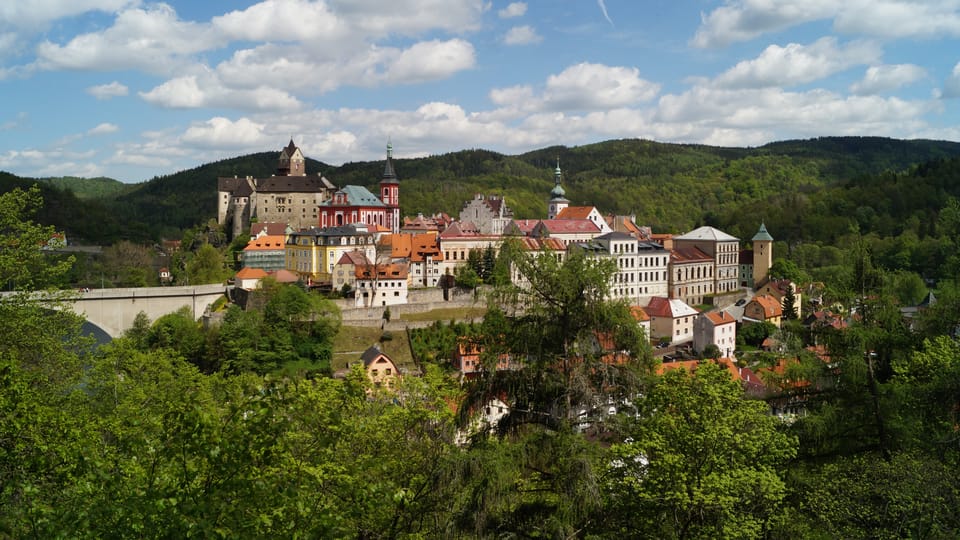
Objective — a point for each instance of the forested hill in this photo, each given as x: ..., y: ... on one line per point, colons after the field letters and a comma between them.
x: 672, y: 187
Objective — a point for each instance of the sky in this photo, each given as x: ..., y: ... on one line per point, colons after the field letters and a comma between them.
x: 133, y: 89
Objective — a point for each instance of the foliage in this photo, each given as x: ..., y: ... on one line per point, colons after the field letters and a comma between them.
x: 701, y: 462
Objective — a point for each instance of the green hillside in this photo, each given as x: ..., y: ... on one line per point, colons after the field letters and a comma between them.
x: 672, y: 187
x: 89, y: 188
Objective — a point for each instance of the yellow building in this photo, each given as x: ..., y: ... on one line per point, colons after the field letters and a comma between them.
x: 313, y: 253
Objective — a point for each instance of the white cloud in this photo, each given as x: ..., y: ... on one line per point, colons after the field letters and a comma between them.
x: 37, y: 13
x: 595, y: 86
x: 375, y: 18
x: 104, y: 128
x: 152, y: 39
x: 107, y: 91
x: 798, y: 64
x: 887, y: 77
x: 514, y: 9
x: 431, y: 60
x: 192, y: 92
x: 283, y: 20
x: 951, y: 87
x: 522, y: 35
x: 221, y: 132
x: 743, y: 20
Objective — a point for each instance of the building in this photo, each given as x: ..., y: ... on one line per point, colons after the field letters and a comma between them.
x: 779, y: 289
x: 267, y: 252
x: 291, y: 196
x: 434, y: 224
x: 723, y: 248
x: 355, y: 204
x: 459, y: 239
x: 717, y: 328
x: 467, y: 359
x: 489, y: 213
x: 380, y: 368
x: 536, y: 247
x: 762, y: 254
x: 691, y: 274
x: 381, y: 284
x: 641, y: 266
x: 249, y: 278
x: 763, y: 308
x: 558, y: 200
x: 643, y: 320
x: 589, y: 213
x: 344, y: 271
x: 312, y: 253
x: 670, y: 319
x: 421, y: 252
x: 567, y: 231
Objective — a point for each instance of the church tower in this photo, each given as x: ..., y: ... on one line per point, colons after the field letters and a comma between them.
x: 390, y: 192
x: 557, y: 200
x: 291, y: 161
x: 762, y: 254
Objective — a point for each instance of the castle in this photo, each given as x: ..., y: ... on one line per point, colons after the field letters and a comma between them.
x: 304, y: 200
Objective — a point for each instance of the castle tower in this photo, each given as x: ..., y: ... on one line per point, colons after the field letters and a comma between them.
x: 390, y: 192
x: 557, y: 200
x: 762, y: 254
x: 291, y: 161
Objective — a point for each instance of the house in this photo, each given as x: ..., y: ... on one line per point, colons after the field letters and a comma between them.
x: 643, y: 320
x: 567, y: 231
x: 355, y: 204
x: 763, y: 308
x: 483, y: 419
x: 467, y: 359
x: 628, y: 225
x: 312, y: 253
x: 344, y: 271
x: 291, y: 196
x: 490, y: 213
x: 381, y: 369
x: 421, y: 252
x: 751, y: 383
x: 267, y: 252
x: 434, y: 224
x: 269, y: 228
x: 165, y: 276
x: 723, y: 248
x: 779, y: 288
x: 717, y: 328
x: 249, y: 278
x: 536, y: 247
x: 670, y: 318
x: 381, y: 284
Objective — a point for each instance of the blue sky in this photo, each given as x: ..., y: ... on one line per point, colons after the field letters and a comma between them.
x: 133, y: 89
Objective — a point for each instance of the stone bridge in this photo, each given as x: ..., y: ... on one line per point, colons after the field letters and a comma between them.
x: 113, y: 310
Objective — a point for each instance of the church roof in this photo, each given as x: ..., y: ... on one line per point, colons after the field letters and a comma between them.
x: 707, y: 233
x: 356, y: 196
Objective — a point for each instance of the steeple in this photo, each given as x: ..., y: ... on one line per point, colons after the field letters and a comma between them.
x: 291, y: 161
x: 388, y: 172
x: 558, y: 200
x: 762, y: 254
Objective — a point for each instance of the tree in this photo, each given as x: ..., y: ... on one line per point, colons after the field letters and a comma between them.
x: 789, y: 304
x: 700, y: 461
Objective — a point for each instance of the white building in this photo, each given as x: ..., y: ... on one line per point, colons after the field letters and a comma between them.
x: 715, y: 328
x: 723, y: 248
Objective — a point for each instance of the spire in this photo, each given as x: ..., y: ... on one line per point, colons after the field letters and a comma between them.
x: 389, y: 175
x: 557, y: 192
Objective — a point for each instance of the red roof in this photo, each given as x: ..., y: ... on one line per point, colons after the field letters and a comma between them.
x: 689, y: 255
x: 568, y: 226
x: 575, y: 212
x: 528, y: 243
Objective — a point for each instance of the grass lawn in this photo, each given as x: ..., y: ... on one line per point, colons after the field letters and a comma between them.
x: 351, y: 341
x: 446, y: 314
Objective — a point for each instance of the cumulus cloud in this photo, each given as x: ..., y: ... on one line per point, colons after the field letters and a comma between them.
x: 743, y: 20
x: 514, y: 9
x: 283, y: 20
x: 431, y: 60
x: 152, y: 39
x: 595, y: 86
x: 798, y: 64
x: 887, y: 77
x: 521, y: 35
x: 104, y: 128
x: 219, y: 132
x: 108, y: 91
x: 192, y: 92
x: 36, y: 13
x: 409, y: 17
x: 951, y: 87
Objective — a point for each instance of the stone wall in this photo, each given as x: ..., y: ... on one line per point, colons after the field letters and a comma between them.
x: 420, y: 301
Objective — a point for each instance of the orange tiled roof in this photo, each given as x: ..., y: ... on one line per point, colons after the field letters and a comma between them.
x: 639, y: 314
x: 771, y: 308
x: 575, y: 212
x: 383, y: 271
x: 268, y: 242
x: 720, y: 317
x: 251, y: 273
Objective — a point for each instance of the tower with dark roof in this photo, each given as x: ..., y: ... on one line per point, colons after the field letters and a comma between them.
x: 558, y: 201
x: 292, y: 162
x: 762, y: 254
x: 390, y: 192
